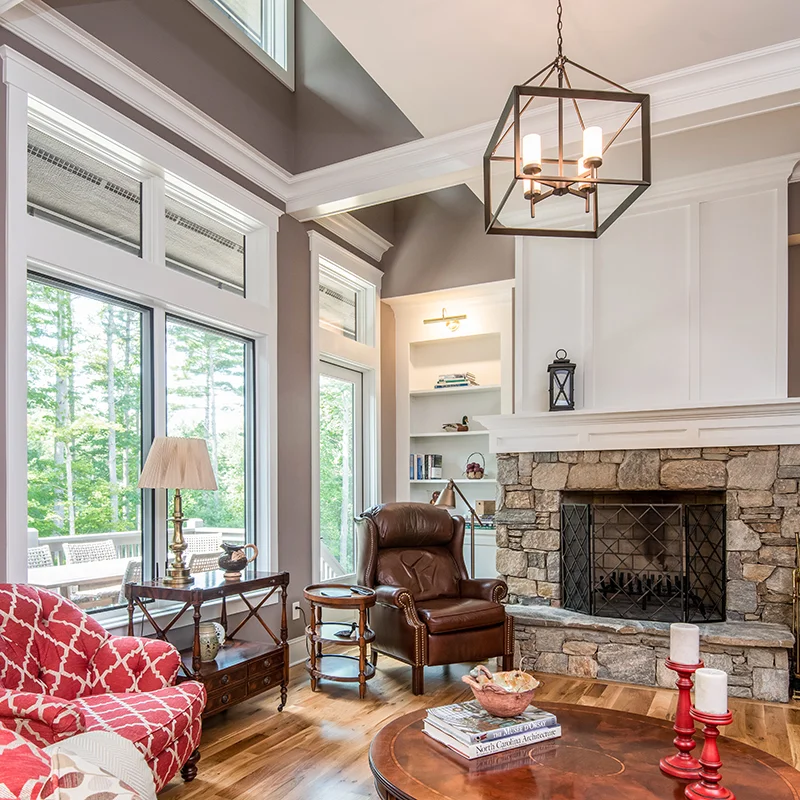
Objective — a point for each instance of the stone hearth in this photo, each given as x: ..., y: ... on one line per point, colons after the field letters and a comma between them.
x: 763, y: 515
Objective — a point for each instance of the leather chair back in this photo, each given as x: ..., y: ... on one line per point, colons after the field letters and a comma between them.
x: 415, y: 545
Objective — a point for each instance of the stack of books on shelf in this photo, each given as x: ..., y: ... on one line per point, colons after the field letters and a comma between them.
x: 456, y: 380
x: 425, y: 467
x: 472, y: 732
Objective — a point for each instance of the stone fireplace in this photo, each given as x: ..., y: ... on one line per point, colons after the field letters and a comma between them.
x: 602, y: 549
x: 644, y: 555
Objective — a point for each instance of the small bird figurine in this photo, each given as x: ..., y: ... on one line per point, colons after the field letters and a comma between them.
x: 459, y: 427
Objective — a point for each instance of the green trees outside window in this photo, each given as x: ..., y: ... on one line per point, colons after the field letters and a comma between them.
x: 207, y: 380
x: 84, y: 413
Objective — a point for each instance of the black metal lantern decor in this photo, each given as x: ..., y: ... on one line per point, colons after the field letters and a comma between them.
x: 562, y: 383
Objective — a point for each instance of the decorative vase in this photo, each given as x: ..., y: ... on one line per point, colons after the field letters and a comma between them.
x: 234, y: 559
x: 212, y: 637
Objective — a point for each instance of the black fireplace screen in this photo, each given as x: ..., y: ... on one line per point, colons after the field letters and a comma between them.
x: 658, y: 561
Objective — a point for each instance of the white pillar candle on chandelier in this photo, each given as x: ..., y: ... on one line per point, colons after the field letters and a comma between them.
x: 684, y: 643
x: 593, y: 146
x: 531, y: 154
x: 531, y: 188
x: 711, y: 691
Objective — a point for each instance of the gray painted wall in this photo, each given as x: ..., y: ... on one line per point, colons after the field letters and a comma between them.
x: 340, y: 112
x: 440, y: 244
x: 337, y: 111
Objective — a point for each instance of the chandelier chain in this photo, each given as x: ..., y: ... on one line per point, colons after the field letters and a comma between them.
x: 559, y: 28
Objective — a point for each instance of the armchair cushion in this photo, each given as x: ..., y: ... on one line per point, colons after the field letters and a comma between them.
x: 459, y: 614
x: 427, y: 572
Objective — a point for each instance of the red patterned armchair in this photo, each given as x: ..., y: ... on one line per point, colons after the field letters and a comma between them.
x: 62, y: 673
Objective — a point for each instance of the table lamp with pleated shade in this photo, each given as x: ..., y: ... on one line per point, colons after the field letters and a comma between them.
x: 178, y: 463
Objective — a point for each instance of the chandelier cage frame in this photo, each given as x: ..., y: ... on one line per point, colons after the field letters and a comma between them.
x: 519, y: 100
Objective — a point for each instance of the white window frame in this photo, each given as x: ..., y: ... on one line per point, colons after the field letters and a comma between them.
x: 68, y: 255
x: 363, y: 357
x: 278, y: 35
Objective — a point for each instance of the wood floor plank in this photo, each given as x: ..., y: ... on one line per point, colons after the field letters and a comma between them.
x: 317, y: 747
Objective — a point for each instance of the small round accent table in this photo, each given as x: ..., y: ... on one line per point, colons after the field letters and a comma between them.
x: 335, y: 666
x: 602, y: 755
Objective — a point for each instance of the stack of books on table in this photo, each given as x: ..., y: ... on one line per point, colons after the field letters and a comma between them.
x: 472, y: 732
x: 456, y: 380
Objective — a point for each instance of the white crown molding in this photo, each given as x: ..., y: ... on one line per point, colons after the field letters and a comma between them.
x: 766, y: 422
x: 356, y: 233
x: 7, y: 5
x: 54, y: 34
x: 437, y: 162
x: 475, y: 294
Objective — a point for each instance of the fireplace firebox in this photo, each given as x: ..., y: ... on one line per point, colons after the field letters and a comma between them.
x: 629, y: 558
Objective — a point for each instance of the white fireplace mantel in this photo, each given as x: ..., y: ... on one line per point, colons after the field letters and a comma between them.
x: 767, y: 422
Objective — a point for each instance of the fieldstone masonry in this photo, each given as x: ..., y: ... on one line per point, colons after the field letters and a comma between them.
x: 763, y: 516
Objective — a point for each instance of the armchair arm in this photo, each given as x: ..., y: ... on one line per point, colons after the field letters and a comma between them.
x: 399, y: 597
x: 131, y: 664
x: 41, y: 718
x: 490, y: 589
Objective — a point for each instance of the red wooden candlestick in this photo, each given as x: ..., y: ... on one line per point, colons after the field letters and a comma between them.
x: 683, y: 765
x: 708, y: 787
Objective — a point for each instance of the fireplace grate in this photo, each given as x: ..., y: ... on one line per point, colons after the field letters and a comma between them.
x: 663, y: 562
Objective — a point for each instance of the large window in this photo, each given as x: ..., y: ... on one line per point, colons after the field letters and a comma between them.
x: 209, y: 393
x: 127, y: 318
x: 341, y: 471
x: 85, y: 424
x: 265, y: 28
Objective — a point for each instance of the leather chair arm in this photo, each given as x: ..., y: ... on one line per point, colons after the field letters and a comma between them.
x: 399, y: 597
x: 490, y: 589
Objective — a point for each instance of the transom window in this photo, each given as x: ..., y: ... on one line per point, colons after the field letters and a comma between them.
x: 265, y: 28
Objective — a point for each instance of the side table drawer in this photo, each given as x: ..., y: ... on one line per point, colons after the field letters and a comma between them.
x: 263, y: 682
x: 227, y: 679
x: 226, y: 697
x: 265, y: 664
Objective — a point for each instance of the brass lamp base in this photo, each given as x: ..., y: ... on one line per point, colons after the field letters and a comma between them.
x: 177, y: 573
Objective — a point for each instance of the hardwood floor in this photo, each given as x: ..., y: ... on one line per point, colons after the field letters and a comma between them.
x: 317, y: 747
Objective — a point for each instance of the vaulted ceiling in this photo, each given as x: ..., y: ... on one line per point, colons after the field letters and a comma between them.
x: 449, y: 64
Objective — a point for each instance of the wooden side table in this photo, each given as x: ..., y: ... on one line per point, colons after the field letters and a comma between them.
x: 241, y: 669
x: 334, y: 666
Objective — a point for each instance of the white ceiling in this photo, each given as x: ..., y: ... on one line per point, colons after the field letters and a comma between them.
x: 449, y: 64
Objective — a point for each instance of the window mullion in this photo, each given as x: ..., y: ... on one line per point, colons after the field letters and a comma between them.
x: 159, y: 406
x: 153, y: 220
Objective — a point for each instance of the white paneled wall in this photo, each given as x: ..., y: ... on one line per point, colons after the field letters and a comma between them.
x: 682, y: 301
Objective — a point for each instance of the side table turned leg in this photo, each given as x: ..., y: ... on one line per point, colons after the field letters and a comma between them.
x: 362, y: 653
x: 313, y: 648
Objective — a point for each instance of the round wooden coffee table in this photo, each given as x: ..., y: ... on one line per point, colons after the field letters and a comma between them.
x: 602, y: 755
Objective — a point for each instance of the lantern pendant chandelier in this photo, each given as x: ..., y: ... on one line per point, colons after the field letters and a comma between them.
x: 582, y: 177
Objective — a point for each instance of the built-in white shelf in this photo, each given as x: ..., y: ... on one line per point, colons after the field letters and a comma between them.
x: 456, y: 390
x: 449, y: 434
x: 462, y: 483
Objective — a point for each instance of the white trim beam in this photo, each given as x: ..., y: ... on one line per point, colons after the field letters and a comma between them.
x: 767, y: 79
x: 769, y: 422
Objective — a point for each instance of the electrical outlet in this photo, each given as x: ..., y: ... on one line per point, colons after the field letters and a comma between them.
x: 296, y: 609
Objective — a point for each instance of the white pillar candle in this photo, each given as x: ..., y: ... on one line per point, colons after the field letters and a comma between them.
x: 531, y: 153
x: 593, y: 143
x: 684, y: 643
x: 711, y: 691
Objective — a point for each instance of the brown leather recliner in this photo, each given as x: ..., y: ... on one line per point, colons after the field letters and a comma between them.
x: 428, y: 611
